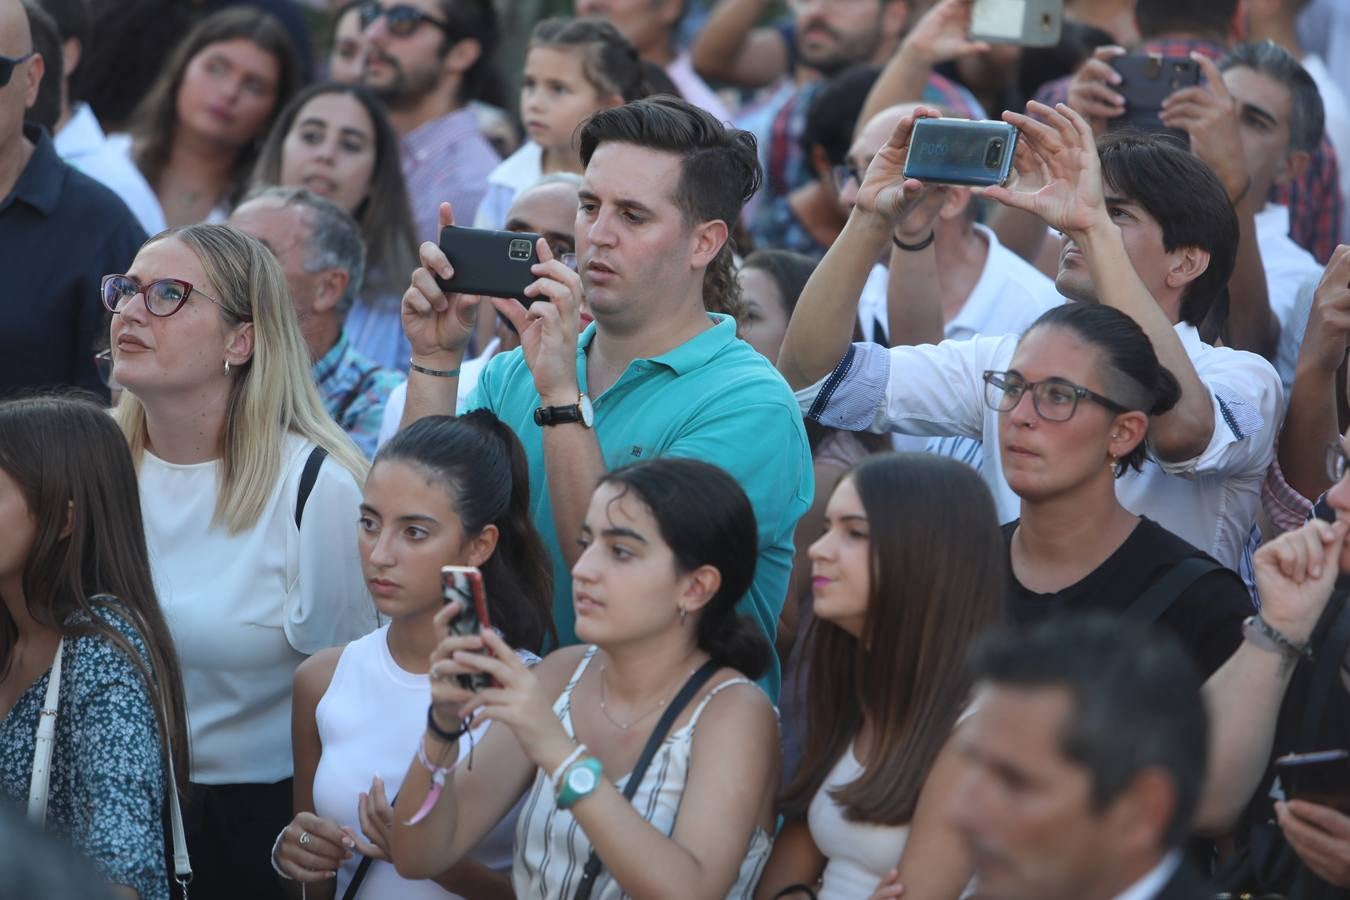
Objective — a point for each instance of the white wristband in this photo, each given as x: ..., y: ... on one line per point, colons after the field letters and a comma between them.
x: 276, y: 845
x: 562, y: 766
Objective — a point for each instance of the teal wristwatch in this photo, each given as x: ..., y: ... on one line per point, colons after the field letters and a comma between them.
x: 579, y: 781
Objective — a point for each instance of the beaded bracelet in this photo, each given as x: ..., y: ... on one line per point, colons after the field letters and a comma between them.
x: 562, y: 766
x: 1264, y: 635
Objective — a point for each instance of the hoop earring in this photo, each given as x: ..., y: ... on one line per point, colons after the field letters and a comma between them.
x: 227, y: 367
x: 681, y: 615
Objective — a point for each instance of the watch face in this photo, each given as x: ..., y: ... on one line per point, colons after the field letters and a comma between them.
x: 587, y: 411
x: 581, y: 780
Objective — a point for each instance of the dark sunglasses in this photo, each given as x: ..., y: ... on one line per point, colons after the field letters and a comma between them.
x: 163, y: 298
x: 8, y: 64
x: 401, y: 20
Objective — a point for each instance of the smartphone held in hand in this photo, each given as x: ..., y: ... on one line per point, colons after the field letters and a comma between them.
x: 1322, y: 778
x: 1027, y: 23
x: 489, y: 263
x: 959, y: 151
x: 1146, y: 81
x: 464, y: 585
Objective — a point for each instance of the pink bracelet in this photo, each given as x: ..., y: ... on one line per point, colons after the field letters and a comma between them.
x: 438, y: 776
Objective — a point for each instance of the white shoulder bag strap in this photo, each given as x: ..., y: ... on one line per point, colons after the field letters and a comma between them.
x: 42, y: 767
x: 44, y: 743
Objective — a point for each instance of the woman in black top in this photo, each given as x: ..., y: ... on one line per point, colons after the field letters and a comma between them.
x: 1075, y: 406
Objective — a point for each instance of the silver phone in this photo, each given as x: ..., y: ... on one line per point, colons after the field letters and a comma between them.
x: 1028, y: 23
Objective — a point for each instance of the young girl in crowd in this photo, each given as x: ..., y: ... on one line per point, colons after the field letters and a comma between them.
x: 574, y: 69
x: 1075, y: 407
x: 195, y: 136
x: 669, y: 547
x: 442, y: 492
x: 336, y: 140
x: 75, y: 581
x: 907, y: 573
x: 249, y: 489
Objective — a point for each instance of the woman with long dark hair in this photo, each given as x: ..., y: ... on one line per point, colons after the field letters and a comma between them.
x: 908, y: 572
x: 75, y: 583
x: 669, y: 549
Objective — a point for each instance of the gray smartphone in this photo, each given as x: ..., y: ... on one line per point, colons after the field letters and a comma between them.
x: 490, y: 263
x: 1146, y: 81
x: 959, y: 151
x: 1028, y: 23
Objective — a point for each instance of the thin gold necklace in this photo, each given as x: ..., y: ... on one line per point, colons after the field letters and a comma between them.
x: 605, y: 709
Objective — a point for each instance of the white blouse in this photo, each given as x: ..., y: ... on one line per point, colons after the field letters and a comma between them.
x: 245, y: 609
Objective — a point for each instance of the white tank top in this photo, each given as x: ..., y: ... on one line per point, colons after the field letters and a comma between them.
x: 551, y: 848
x: 370, y: 720
x: 859, y: 854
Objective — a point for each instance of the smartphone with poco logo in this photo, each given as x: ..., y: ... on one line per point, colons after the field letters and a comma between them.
x: 959, y: 151
x: 490, y: 263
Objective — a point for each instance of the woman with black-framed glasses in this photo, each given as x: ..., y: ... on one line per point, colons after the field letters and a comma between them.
x: 1074, y: 409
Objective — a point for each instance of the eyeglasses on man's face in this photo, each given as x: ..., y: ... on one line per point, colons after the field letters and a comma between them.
x: 1054, y: 399
x: 401, y: 19
x: 9, y: 63
x: 163, y: 297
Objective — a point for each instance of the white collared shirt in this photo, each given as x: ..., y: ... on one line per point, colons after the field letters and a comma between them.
x: 83, y: 144
x: 938, y: 390
x: 1292, y: 275
x: 1151, y: 884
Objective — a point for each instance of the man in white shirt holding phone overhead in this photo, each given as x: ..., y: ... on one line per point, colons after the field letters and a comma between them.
x: 1154, y: 237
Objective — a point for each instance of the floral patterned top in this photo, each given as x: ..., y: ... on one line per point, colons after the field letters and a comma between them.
x: 106, y: 793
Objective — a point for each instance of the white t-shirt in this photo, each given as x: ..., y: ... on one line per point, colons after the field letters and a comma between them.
x: 1210, y: 501
x: 245, y: 609
x: 469, y: 372
x: 512, y: 175
x: 83, y: 145
x: 694, y: 89
x: 1291, y: 279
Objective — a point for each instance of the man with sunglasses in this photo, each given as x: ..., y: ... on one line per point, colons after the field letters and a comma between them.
x: 426, y: 59
x: 1148, y: 230
x: 60, y: 232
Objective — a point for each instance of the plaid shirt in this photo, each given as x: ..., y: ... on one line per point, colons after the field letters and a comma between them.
x: 787, y: 167
x: 446, y: 159
x: 354, y: 391
x: 1314, y: 199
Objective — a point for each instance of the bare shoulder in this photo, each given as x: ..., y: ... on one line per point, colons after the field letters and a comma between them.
x: 313, y: 676
x: 733, y: 702
x: 555, y: 669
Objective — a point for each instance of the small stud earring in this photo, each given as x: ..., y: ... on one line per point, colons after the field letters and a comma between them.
x: 227, y: 367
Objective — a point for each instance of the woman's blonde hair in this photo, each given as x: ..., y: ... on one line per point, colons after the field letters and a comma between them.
x: 271, y: 395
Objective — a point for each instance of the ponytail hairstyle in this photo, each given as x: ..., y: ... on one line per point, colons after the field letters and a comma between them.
x: 1127, y: 364
x: 482, y: 465
x: 706, y: 520
x: 609, y: 61
x: 719, y: 172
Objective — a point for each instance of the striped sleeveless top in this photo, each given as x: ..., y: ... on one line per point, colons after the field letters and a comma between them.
x: 551, y: 848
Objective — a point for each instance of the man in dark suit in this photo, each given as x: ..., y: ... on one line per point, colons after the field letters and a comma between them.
x: 1085, y: 757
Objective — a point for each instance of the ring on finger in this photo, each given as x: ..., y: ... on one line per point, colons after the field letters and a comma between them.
x: 304, y: 839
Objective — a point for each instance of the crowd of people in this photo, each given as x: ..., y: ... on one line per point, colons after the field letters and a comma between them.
x: 839, y: 534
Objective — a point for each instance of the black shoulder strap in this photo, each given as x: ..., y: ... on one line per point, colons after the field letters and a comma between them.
x: 1154, y: 603
x: 1327, y: 667
x: 307, y: 479
x: 691, y: 687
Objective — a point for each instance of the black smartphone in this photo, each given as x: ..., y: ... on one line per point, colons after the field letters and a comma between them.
x: 1028, y: 23
x: 1322, y: 778
x: 1146, y: 81
x: 465, y: 585
x: 959, y: 151
x: 490, y: 263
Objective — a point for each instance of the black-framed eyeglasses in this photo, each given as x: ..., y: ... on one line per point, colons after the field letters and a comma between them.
x: 401, y: 19
x: 163, y: 297
x: 9, y: 63
x: 842, y: 175
x: 1338, y: 461
x: 1055, y: 399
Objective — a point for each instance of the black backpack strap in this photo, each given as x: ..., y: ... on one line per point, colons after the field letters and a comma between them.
x: 691, y: 687
x: 1154, y: 603
x: 307, y: 479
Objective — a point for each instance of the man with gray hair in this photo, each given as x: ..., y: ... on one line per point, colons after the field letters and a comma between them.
x: 320, y: 249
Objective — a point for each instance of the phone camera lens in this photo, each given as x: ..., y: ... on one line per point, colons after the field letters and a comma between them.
x: 993, y: 154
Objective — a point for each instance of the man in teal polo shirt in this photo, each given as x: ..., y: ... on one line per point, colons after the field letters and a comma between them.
x: 655, y: 374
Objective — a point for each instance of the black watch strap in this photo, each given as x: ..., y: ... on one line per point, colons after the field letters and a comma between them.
x: 557, y: 415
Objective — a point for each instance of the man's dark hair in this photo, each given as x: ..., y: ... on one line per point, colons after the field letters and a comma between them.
x: 1156, y: 17
x: 1307, y: 115
x: 46, y: 110
x: 719, y: 168
x: 73, y: 20
x: 833, y: 114
x: 1136, y: 702
x: 1186, y: 199
x: 476, y: 19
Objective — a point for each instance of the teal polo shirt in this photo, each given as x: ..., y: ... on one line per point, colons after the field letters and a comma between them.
x: 711, y: 398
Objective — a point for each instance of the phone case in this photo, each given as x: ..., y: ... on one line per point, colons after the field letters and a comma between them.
x: 1321, y: 778
x: 1146, y: 81
x: 1028, y: 23
x: 465, y: 584
x: 490, y: 263
x: 958, y: 151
